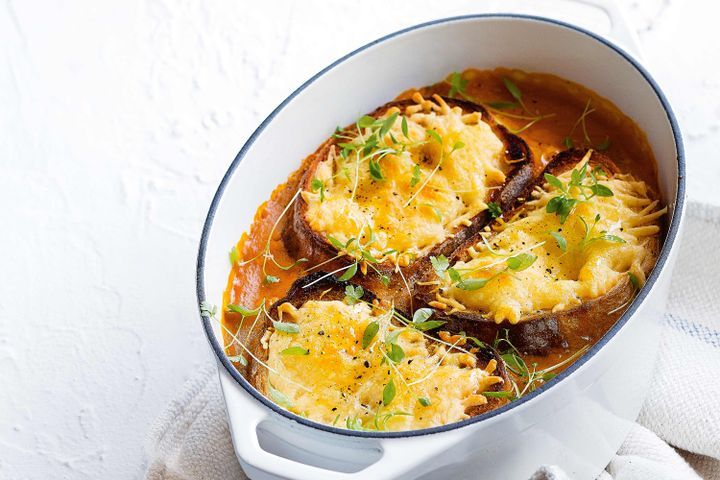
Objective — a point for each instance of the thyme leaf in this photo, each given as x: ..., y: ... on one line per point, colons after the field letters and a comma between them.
x: 295, y: 351
x: 440, y: 264
x: 349, y: 273
x: 388, y: 393
x: 286, y: 327
x: 278, y: 397
x: 415, y: 175
x: 521, y: 261
x: 238, y: 359
x: 561, y: 241
x: 369, y: 334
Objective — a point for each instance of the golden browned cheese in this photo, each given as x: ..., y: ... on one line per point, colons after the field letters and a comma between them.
x: 431, y: 183
x: 324, y: 373
x: 555, y: 107
x: 603, y: 240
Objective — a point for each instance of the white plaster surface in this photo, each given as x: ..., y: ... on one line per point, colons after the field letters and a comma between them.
x: 117, y: 120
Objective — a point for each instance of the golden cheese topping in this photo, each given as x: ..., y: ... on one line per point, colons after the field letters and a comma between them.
x: 428, y: 175
x: 324, y: 373
x: 604, y: 239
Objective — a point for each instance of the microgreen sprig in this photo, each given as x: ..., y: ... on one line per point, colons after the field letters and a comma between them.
x: 514, y: 263
x: 584, y: 181
x: 268, y: 255
x: 524, y: 378
x: 435, y: 137
x: 458, y: 87
x: 581, y: 122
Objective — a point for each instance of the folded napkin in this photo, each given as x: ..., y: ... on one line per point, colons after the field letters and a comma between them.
x: 678, y: 430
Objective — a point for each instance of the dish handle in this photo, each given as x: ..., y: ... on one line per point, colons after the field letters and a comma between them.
x: 620, y: 29
x: 395, y: 458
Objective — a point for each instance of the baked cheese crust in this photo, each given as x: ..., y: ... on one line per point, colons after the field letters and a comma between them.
x: 433, y: 183
x: 338, y: 382
x: 604, y: 239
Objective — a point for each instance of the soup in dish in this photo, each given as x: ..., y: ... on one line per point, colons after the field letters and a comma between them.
x: 446, y: 254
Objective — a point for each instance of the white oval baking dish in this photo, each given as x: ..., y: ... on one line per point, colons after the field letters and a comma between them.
x: 576, y: 421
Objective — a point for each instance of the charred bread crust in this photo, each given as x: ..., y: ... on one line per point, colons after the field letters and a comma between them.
x: 540, y: 333
x: 303, y: 242
x: 328, y: 288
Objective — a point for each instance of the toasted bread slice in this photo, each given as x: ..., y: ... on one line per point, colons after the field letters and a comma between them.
x: 331, y: 367
x: 391, y: 192
x: 570, y: 256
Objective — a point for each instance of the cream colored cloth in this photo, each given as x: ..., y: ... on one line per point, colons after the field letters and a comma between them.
x: 678, y: 431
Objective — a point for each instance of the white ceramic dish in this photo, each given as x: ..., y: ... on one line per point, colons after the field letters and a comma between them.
x: 577, y: 420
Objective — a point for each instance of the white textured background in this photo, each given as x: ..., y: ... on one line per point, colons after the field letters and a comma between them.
x: 117, y: 120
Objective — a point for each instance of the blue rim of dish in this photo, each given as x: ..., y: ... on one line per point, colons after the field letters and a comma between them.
x: 637, y: 301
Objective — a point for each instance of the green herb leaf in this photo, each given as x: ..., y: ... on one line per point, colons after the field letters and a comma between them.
x: 501, y: 394
x: 369, y: 334
x: 561, y: 242
x: 454, y: 275
x: 422, y: 314
x: 515, y: 363
x: 424, y: 401
x: 388, y: 124
x: 392, y: 337
x: 316, y: 184
x: 457, y: 84
x: 207, y: 310
x: 295, y: 351
x: 271, y: 279
x: 366, y: 121
x: 353, y: 294
x: 385, y: 280
x: 502, y: 105
x: 611, y: 238
x: 349, y: 273
x: 396, y: 353
x: 494, y: 210
x: 568, y: 142
x: 554, y: 181
x: 415, y: 176
x: 404, y: 128
x: 435, y: 136
x: 429, y: 325
x: 278, y: 397
x: 440, y: 264
x: 601, y: 190
x: 234, y: 255
x: 335, y: 242
x: 598, y: 171
x: 521, y: 261
x: 238, y: 359
x: 473, y: 283
x: 561, y: 206
x: 388, y: 393
x: 513, y: 89
x: 375, y: 170
x: 354, y: 423
x: 244, y: 311
x: 634, y: 280
x: 369, y: 257
x: 286, y: 327
x: 458, y: 145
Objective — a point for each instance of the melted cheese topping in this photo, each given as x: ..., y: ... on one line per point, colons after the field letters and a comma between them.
x: 560, y: 280
x: 378, y: 210
x: 340, y: 383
